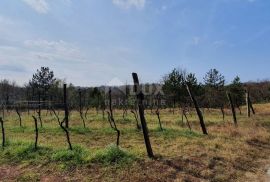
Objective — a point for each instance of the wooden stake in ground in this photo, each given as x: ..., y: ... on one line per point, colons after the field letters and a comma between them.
x: 36, y: 131
x: 3, y: 133
x: 248, y: 103
x: 199, y: 113
x: 66, y: 106
x: 251, y: 106
x: 112, y: 118
x: 80, y: 105
x: 157, y: 111
x: 140, y: 98
x: 232, y: 107
x: 39, y: 109
x: 223, y: 113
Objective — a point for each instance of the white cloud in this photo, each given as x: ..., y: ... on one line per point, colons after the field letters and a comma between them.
x: 40, y: 6
x: 18, y: 60
x: 126, y: 4
x: 54, y: 50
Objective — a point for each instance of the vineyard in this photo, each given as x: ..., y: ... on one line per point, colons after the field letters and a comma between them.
x: 59, y: 140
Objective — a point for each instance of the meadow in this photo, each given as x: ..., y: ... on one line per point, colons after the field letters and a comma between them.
x: 228, y: 153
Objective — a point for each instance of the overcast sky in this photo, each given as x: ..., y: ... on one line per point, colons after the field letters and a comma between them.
x: 95, y: 42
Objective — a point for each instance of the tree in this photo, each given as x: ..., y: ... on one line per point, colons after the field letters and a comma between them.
x: 214, y: 79
x: 192, y: 82
x: 237, y: 91
x: 214, y: 89
x: 174, y: 84
x: 43, y: 80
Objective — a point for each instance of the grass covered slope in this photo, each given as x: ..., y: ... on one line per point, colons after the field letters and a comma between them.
x: 227, y: 154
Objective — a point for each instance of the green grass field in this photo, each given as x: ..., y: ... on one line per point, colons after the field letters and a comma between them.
x: 226, y: 154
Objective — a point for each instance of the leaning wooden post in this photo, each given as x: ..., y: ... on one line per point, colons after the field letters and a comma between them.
x: 157, y: 111
x: 251, y: 106
x: 248, y: 103
x: 199, y: 113
x: 140, y: 98
x: 66, y: 106
x: 3, y: 132
x: 233, y: 109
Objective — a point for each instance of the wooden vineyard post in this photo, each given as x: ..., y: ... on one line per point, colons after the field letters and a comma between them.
x: 3, y: 133
x: 140, y: 98
x: 157, y: 111
x: 199, y: 113
x: 39, y: 109
x: 66, y: 106
x: 232, y: 108
x: 248, y: 103
x: 251, y: 106
x: 223, y: 113
x: 80, y: 105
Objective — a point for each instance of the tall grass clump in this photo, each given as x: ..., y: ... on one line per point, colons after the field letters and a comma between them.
x: 77, y: 156
x: 113, y: 155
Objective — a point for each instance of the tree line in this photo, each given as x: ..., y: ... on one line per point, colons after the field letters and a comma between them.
x: 44, y: 89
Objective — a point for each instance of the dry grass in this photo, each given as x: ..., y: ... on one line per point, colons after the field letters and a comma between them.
x: 227, y: 154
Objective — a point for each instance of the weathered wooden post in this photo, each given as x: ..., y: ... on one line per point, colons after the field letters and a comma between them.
x: 251, y: 106
x: 232, y: 108
x: 140, y: 98
x: 248, y: 103
x: 80, y: 107
x: 39, y: 109
x: 157, y: 111
x: 66, y: 106
x: 3, y: 133
x: 199, y: 113
x: 223, y: 113
x: 27, y: 97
